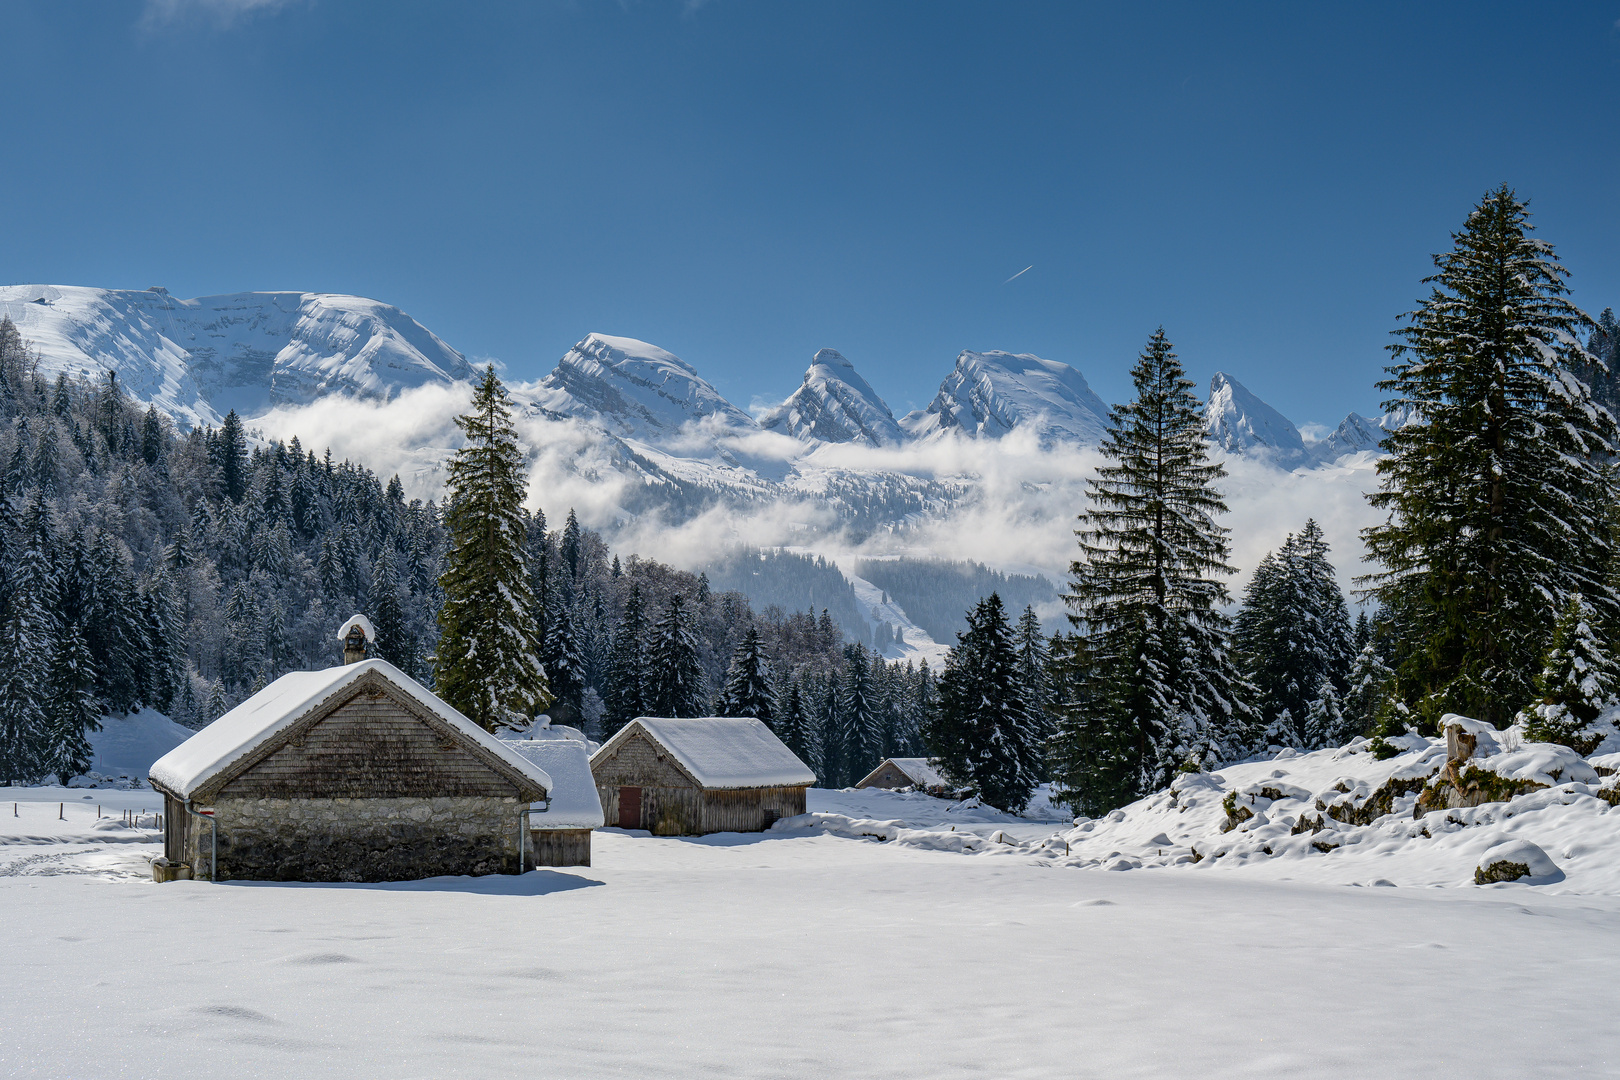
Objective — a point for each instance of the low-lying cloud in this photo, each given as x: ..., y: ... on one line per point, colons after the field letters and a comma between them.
x: 1018, y: 511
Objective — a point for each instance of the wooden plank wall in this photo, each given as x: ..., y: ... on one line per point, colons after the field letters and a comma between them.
x: 560, y: 847
x: 370, y: 748
x: 744, y: 811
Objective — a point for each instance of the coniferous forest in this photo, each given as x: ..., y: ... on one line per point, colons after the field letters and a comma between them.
x: 150, y: 568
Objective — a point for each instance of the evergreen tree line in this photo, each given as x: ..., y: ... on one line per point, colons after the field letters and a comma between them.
x: 1494, y: 582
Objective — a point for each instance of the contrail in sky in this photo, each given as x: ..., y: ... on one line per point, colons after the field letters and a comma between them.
x: 1021, y: 273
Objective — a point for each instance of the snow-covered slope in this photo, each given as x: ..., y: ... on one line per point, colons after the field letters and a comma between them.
x: 633, y: 390
x: 198, y: 359
x: 991, y: 393
x: 1238, y: 422
x: 834, y: 404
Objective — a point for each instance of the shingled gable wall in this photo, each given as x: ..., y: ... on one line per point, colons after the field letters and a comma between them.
x: 370, y: 787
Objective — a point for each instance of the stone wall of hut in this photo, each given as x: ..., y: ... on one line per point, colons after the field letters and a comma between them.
x: 347, y: 839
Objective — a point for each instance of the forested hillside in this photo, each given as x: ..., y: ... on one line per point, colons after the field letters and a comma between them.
x: 938, y: 595
x: 146, y: 568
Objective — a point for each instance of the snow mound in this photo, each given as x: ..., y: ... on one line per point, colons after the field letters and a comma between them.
x: 1515, y: 860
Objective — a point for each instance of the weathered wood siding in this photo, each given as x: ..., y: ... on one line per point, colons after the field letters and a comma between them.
x: 370, y: 747
x: 747, y: 810
x: 890, y: 777
x: 559, y: 847
x: 175, y: 820
x: 640, y: 762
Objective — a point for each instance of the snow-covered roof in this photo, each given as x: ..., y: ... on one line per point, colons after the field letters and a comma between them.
x: 212, y: 751
x: 921, y: 773
x: 574, y: 801
x: 720, y: 751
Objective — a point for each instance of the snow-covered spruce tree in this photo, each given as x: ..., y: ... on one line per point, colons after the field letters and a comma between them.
x: 1496, y: 493
x: 1034, y: 664
x: 28, y: 640
x: 792, y: 724
x: 1371, y: 683
x: 1324, y: 723
x: 1159, y: 687
x: 394, y: 641
x: 676, y: 685
x: 857, y: 732
x: 625, y: 693
x: 487, y: 663
x: 1578, y: 680
x: 983, y: 734
x: 1292, y: 634
x: 565, y: 665
x: 748, y: 690
x: 71, y: 711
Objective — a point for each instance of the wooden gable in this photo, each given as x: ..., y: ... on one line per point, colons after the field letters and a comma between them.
x: 372, y: 740
x: 641, y: 761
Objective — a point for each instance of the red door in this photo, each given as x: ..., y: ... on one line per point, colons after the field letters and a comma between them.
x: 629, y: 808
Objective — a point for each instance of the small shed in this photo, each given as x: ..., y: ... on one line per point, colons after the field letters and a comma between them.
x: 701, y: 775
x: 355, y: 773
x: 904, y: 772
x: 560, y: 829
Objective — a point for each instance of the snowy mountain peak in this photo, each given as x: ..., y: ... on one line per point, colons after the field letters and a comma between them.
x: 1238, y: 422
x: 834, y: 404
x: 991, y: 393
x: 632, y: 389
x: 1357, y: 433
x: 198, y: 359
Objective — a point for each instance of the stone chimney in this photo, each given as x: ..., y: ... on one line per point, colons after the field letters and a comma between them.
x: 355, y: 634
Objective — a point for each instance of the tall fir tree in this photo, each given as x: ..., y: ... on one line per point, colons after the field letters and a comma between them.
x: 1371, y: 682
x: 1292, y: 634
x: 793, y: 720
x: 72, y: 711
x: 395, y: 642
x: 488, y: 658
x: 856, y: 728
x: 982, y: 734
x: 677, y: 686
x: 624, y: 696
x: 1497, y: 491
x: 748, y: 690
x: 1147, y: 595
x: 565, y: 665
x: 29, y: 640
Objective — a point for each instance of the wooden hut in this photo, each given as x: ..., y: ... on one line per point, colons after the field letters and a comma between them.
x: 701, y: 775
x: 560, y: 831
x: 906, y: 772
x: 355, y: 773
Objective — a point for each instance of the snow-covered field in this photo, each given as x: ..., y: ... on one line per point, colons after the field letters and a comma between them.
x: 797, y: 952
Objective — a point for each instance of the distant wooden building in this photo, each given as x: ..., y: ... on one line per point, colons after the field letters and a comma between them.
x: 355, y: 773
x: 906, y: 772
x: 695, y: 776
x: 560, y: 832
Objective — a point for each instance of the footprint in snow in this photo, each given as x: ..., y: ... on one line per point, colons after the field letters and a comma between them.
x: 323, y: 958
x: 1093, y: 903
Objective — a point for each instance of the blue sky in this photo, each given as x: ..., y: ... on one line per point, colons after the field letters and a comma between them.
x: 745, y: 182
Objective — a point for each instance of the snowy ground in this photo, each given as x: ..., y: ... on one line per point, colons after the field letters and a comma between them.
x: 790, y: 953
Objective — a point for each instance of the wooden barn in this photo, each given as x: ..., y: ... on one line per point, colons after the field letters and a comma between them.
x: 702, y: 775
x: 560, y: 834
x: 906, y: 772
x: 355, y: 773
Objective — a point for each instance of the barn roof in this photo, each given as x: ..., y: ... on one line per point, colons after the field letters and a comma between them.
x: 921, y: 773
x: 216, y: 748
x: 574, y: 801
x: 720, y: 751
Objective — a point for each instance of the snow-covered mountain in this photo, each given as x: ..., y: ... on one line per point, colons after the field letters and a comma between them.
x: 633, y: 390
x: 198, y: 359
x: 1356, y: 433
x: 834, y: 404
x: 989, y: 394
x: 1238, y: 422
